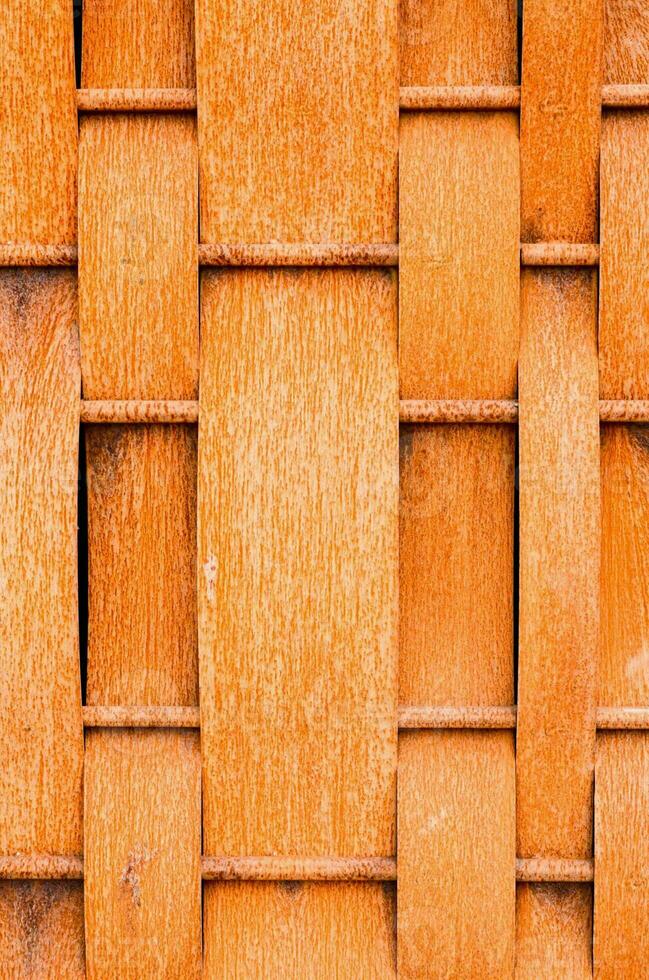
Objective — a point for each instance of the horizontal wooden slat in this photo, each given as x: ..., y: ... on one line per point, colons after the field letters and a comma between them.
x: 33, y: 254
x: 456, y: 410
x: 139, y: 411
x: 299, y: 254
x: 459, y: 97
x: 41, y: 866
x: 480, y: 716
x: 553, y: 869
x: 136, y: 99
x: 140, y: 716
x: 559, y: 253
x: 298, y: 869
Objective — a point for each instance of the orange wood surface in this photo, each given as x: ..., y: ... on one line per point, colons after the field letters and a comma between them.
x: 41, y: 930
x: 305, y: 149
x: 456, y: 574
x: 559, y: 563
x: 626, y: 42
x: 456, y: 858
x: 554, y: 932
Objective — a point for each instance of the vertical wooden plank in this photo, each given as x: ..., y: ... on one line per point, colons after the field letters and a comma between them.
x: 459, y: 923
x: 560, y: 119
x: 300, y: 931
x: 554, y: 930
x: 41, y: 930
x: 302, y: 151
x: 459, y: 255
x: 456, y: 557
x: 38, y: 123
x: 621, y: 855
x: 143, y: 851
x: 446, y: 43
x: 626, y: 42
x: 139, y: 330
x: 559, y: 563
x: 297, y: 558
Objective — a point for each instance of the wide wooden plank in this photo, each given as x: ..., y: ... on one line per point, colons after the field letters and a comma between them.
x: 456, y: 551
x: 626, y: 42
x: 559, y: 563
x: 456, y: 874
x: 41, y: 930
x: 142, y: 635
x: 41, y: 740
x: 297, y: 545
x: 138, y: 234
x: 142, y: 854
x: 446, y: 43
x: 554, y: 932
x: 299, y: 931
x: 623, y: 671
x: 560, y: 119
x: 621, y: 855
x: 138, y: 44
x: 38, y: 122
x: 297, y: 117
x: 459, y: 255
x: 624, y: 306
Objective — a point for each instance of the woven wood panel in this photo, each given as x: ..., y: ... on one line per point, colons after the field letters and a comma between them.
x: 324, y: 483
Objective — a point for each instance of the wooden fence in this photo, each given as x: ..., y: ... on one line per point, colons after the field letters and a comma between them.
x: 272, y: 705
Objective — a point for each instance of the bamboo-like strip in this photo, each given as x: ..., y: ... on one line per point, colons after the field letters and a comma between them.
x: 298, y: 869
x: 41, y: 866
x: 28, y: 254
x: 624, y: 411
x: 479, y: 716
x: 622, y: 96
x: 139, y: 411
x: 298, y: 254
x: 136, y: 99
x: 446, y: 410
x: 559, y: 253
x: 460, y: 97
x: 622, y: 719
x: 554, y: 869
x: 140, y: 716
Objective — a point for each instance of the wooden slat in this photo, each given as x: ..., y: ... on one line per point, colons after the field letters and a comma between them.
x: 560, y: 119
x: 299, y: 931
x: 298, y: 562
x: 626, y: 42
x: 412, y: 97
x: 142, y: 854
x: 299, y: 254
x: 621, y: 855
x: 291, y: 148
x: 456, y: 565
x: 554, y: 927
x: 298, y: 869
x: 38, y: 123
x: 624, y: 307
x: 559, y: 562
x: 459, y: 255
x: 41, y: 739
x: 443, y: 44
x: 456, y: 883
x: 136, y: 99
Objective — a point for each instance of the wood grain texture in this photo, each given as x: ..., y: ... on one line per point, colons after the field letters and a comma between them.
x: 41, y: 741
x: 621, y: 855
x: 559, y: 563
x: 142, y: 855
x: 456, y: 578
x: 297, y: 542
x: 456, y: 874
x: 554, y: 929
x: 560, y: 119
x: 624, y: 306
x: 626, y: 42
x: 459, y: 258
x: 38, y: 123
x: 138, y: 232
x: 142, y: 634
x: 138, y: 44
x: 443, y: 42
x: 41, y: 930
x: 623, y: 672
x: 299, y: 931
x: 305, y: 149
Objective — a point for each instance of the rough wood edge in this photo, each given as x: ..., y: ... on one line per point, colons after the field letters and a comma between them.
x: 554, y: 869
x: 34, y: 867
x: 140, y: 716
x: 298, y: 254
x: 98, y: 412
x: 449, y: 410
x: 559, y: 254
x: 27, y: 254
x: 622, y: 719
x: 479, y: 716
x: 476, y: 97
x: 622, y: 96
x: 136, y: 99
x: 298, y: 869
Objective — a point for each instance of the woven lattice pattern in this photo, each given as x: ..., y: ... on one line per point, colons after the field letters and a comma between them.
x: 324, y: 489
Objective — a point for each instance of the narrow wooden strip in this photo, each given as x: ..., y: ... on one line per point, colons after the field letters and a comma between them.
x: 553, y: 869
x: 28, y: 254
x: 554, y: 930
x: 454, y: 410
x: 140, y: 716
x: 135, y: 410
x: 621, y: 719
x: 479, y: 716
x: 559, y: 253
x: 136, y: 99
x: 41, y: 866
x: 417, y: 97
x: 298, y: 869
x: 622, y: 96
x: 298, y: 254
